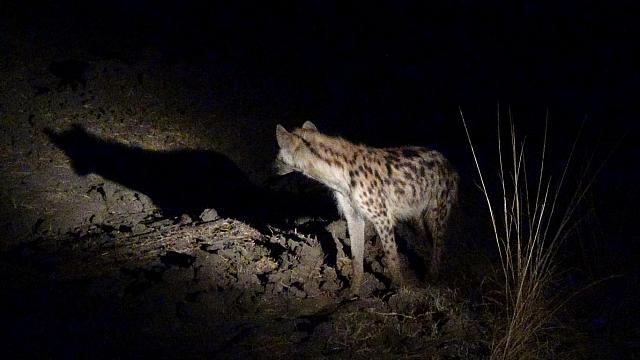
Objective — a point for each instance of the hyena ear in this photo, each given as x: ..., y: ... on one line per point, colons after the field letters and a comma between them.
x: 308, y: 125
x: 283, y: 136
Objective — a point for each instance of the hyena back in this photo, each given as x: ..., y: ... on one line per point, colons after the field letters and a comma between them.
x: 382, y: 186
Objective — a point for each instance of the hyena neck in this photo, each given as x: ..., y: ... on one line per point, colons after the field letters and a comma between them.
x: 328, y: 161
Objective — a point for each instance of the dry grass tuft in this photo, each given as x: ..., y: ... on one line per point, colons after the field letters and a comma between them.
x: 529, y: 224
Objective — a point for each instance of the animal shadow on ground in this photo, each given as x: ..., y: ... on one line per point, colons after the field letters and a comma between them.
x: 178, y: 182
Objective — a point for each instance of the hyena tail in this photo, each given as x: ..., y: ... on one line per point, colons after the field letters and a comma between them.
x: 437, y: 218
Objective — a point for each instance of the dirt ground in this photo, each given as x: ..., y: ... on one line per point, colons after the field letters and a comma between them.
x: 138, y: 220
x: 220, y: 288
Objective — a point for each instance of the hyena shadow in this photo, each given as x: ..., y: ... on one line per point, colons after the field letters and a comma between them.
x: 178, y: 182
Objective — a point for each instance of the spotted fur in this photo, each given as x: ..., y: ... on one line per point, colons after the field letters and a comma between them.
x: 382, y: 186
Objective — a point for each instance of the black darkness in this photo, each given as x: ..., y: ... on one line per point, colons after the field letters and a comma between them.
x: 394, y: 73
x: 390, y: 74
x: 398, y: 73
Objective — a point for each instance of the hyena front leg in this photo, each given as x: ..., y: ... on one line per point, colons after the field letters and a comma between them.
x: 384, y: 227
x: 355, y: 224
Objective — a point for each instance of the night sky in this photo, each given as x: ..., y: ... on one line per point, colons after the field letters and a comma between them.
x: 392, y: 74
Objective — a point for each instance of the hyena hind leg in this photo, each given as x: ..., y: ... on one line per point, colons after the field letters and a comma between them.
x: 437, y: 223
x: 422, y: 237
x: 385, y: 229
x: 419, y: 227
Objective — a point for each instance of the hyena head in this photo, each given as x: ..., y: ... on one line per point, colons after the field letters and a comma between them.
x: 293, y: 148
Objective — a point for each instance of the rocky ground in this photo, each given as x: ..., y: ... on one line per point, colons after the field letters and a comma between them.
x: 138, y: 221
x: 185, y: 288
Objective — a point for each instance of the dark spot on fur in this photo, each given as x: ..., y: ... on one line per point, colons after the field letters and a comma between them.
x: 409, y: 153
x: 389, y: 169
x: 311, y: 148
x: 412, y: 167
x: 393, y: 158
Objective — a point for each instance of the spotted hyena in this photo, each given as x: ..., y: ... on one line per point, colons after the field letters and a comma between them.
x: 382, y: 186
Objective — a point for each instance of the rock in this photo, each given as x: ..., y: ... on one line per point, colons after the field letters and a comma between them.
x: 330, y: 282
x: 181, y: 244
x: 186, y: 219
x: 265, y: 265
x: 162, y: 224
x: 213, y: 247
x: 139, y: 228
x: 209, y: 215
x: 344, y: 266
x: 337, y: 229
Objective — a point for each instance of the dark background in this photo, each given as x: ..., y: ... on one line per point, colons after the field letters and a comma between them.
x: 394, y: 73
x: 397, y: 73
